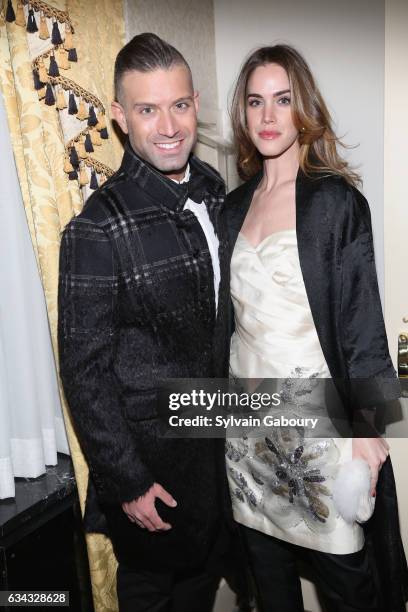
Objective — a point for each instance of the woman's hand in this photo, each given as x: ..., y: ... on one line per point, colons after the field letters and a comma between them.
x: 374, y: 451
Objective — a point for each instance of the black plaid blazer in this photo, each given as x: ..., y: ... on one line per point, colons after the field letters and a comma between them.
x: 136, y: 305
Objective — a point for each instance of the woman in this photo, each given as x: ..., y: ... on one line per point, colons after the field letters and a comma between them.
x: 306, y: 304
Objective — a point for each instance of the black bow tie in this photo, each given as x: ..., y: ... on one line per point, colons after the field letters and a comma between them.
x: 196, y: 187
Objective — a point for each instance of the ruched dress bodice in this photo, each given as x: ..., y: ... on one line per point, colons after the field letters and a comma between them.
x: 272, y: 315
x: 275, y: 337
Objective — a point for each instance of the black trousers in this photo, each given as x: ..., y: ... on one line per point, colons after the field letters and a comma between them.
x: 145, y: 591
x: 345, y: 581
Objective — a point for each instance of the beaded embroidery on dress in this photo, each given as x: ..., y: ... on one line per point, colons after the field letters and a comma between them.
x: 281, y: 480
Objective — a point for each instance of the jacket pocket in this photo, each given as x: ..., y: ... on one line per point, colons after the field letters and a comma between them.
x: 141, y: 405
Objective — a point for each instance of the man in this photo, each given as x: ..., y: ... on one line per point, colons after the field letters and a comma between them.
x: 143, y: 297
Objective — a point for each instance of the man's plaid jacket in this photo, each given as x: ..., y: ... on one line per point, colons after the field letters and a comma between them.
x: 136, y: 305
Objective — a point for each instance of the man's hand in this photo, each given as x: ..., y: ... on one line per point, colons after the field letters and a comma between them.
x: 142, y: 510
x: 374, y: 451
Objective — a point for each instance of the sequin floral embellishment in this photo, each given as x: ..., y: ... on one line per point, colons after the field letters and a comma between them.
x: 291, y: 477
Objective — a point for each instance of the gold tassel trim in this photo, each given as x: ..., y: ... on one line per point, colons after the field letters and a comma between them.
x: 67, y: 84
x: 102, y: 179
x: 67, y: 165
x: 80, y: 147
x: 82, y: 113
x: 20, y: 15
x: 61, y: 103
x: 50, y: 12
x: 98, y: 166
x: 41, y: 93
x: 43, y: 33
x: 96, y: 138
x: 62, y: 61
x: 101, y: 121
x: 42, y: 72
x: 83, y: 177
x: 68, y: 40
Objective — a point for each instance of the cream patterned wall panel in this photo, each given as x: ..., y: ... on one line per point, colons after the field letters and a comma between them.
x: 215, y: 150
x: 207, y: 153
x: 189, y: 26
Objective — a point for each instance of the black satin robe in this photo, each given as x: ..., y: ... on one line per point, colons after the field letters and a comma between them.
x: 336, y: 254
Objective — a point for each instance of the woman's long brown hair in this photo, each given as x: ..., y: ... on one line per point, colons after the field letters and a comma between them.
x: 318, y: 142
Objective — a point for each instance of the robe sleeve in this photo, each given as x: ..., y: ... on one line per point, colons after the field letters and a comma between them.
x: 364, y: 338
x: 87, y: 333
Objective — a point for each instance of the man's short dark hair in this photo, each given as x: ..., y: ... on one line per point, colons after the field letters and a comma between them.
x: 146, y: 52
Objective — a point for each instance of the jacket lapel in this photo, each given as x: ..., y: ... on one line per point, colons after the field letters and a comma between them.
x: 238, y: 203
x: 318, y: 261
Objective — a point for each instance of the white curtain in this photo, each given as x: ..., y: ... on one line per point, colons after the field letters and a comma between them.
x: 31, y: 423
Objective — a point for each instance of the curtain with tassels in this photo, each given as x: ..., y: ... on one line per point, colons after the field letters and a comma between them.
x: 56, y: 76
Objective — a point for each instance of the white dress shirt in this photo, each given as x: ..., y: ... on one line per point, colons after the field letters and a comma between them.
x: 200, y: 211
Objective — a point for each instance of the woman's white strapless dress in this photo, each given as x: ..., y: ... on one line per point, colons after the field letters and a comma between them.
x: 280, y: 481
